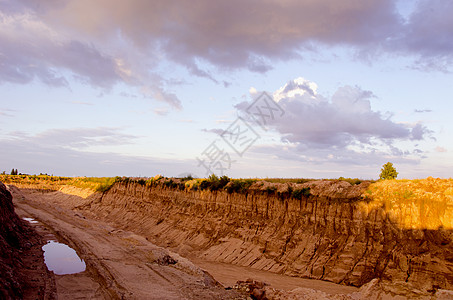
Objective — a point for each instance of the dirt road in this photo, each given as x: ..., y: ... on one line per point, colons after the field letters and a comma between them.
x: 120, y: 264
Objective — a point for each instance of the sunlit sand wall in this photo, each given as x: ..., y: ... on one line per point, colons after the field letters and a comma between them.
x: 414, y: 204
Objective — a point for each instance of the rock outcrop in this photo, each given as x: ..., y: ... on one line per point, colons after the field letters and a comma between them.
x: 325, y: 235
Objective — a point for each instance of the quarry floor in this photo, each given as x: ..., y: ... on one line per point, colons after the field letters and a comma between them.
x: 124, y: 265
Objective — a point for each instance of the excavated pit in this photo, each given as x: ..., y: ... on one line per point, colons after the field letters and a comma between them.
x: 325, y: 235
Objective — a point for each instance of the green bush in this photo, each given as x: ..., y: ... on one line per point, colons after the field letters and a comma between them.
x: 219, y: 183
x: 286, y: 194
x: 104, y: 187
x: 193, y: 185
x: 214, y: 183
x: 299, y: 193
x: 388, y: 172
x: 204, y: 184
x: 270, y: 190
x: 352, y: 181
x: 170, y: 183
x: 239, y: 186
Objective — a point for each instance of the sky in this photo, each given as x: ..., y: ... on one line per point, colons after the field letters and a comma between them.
x: 290, y: 88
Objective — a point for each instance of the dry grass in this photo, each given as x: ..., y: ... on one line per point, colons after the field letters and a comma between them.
x: 45, y: 182
x: 415, y: 204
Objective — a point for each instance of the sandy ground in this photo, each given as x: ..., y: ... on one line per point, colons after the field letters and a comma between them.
x: 120, y: 264
x: 123, y: 265
x: 228, y: 275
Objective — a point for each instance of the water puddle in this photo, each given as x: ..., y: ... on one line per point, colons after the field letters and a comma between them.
x: 62, y: 259
x: 30, y: 220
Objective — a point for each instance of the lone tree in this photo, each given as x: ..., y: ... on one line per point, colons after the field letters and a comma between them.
x: 388, y: 171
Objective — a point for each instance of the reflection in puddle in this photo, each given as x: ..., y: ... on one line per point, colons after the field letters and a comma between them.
x: 31, y: 220
x: 62, y: 259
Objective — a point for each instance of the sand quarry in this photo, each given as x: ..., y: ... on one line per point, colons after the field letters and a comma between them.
x: 134, y: 248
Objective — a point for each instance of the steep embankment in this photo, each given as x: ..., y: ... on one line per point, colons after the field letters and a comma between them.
x: 23, y: 274
x: 327, y: 235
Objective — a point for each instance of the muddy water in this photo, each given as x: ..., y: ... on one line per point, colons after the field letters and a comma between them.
x: 59, y: 257
x: 62, y: 259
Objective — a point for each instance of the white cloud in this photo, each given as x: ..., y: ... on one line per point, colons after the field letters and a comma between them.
x: 67, y: 152
x: 440, y: 149
x: 58, y: 160
x: 161, y: 111
x: 216, y: 131
x: 344, y: 120
x: 343, y: 129
x: 297, y: 87
x: 426, y: 110
x: 74, y: 138
x: 6, y: 112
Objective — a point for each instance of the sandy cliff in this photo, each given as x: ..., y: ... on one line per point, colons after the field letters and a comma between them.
x: 326, y: 235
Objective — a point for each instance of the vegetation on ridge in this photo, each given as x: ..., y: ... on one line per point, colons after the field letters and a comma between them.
x: 420, y: 203
x: 46, y: 182
x: 188, y: 183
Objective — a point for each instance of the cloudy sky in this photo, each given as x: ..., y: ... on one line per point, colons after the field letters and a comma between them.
x: 267, y: 88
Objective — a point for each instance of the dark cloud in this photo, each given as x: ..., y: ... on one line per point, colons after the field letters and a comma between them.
x: 234, y: 33
x: 106, y: 42
x: 33, y: 49
x: 430, y: 29
x: 427, y: 35
x: 420, y: 131
x: 246, y: 34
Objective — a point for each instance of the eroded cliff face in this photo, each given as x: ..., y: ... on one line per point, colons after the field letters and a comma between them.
x: 327, y: 235
x: 9, y: 242
x: 23, y: 274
